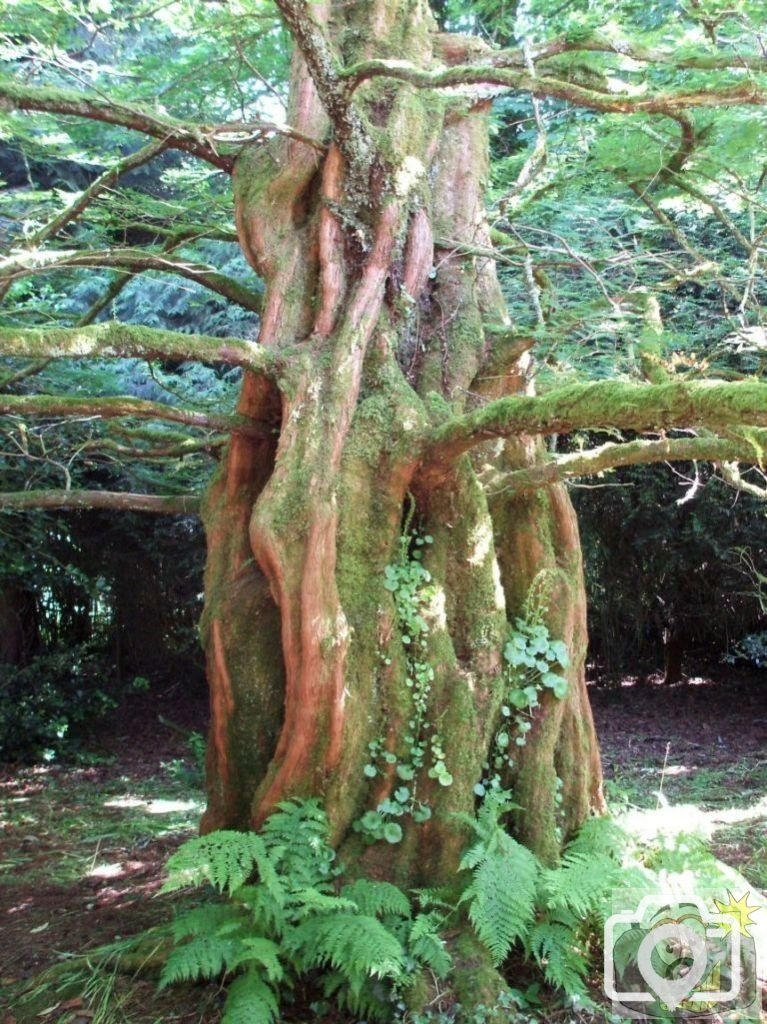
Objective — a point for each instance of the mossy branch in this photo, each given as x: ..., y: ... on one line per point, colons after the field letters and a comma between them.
x: 545, y: 87
x: 59, y: 407
x: 136, y: 261
x: 623, y: 47
x: 94, y: 190
x: 174, y: 504
x: 174, y: 134
x: 633, y: 453
x: 114, y: 340
x: 602, y: 404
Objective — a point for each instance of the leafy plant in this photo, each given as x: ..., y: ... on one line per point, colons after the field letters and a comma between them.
x: 48, y: 702
x: 549, y: 912
x: 284, y: 919
x: 410, y: 584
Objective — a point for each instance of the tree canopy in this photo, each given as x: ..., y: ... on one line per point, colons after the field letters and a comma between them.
x: 625, y: 204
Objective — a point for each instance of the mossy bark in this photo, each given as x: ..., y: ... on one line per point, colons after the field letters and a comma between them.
x: 380, y: 333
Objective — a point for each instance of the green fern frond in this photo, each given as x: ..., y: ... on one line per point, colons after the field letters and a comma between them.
x: 600, y: 835
x: 366, y: 1000
x: 427, y: 946
x: 225, y: 859
x: 581, y: 883
x: 250, y: 1001
x: 258, y: 950
x: 297, y: 836
x: 356, y: 945
x: 377, y: 899
x: 308, y: 901
x: 555, y: 947
x: 207, y: 920
x: 502, y: 897
x: 204, y: 956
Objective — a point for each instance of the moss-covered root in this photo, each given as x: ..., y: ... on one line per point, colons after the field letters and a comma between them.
x: 474, y: 981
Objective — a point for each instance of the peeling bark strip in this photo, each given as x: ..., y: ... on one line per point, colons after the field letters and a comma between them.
x: 222, y: 704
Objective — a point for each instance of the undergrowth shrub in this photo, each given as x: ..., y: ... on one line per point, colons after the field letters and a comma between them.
x: 47, y: 705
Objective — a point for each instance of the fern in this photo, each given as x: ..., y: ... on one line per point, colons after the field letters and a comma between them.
x: 581, y: 883
x: 250, y: 1001
x: 426, y: 945
x: 356, y: 946
x: 204, y: 956
x: 282, y: 919
x: 553, y: 944
x: 225, y: 859
x: 205, y: 920
x: 258, y: 950
x: 377, y: 899
x: 502, y: 897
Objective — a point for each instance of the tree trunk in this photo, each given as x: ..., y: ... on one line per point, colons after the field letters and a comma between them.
x: 380, y: 310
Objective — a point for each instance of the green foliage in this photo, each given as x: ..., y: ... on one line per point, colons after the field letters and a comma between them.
x: 533, y: 664
x: 283, y: 920
x: 410, y: 584
x: 47, y: 705
x: 549, y: 912
x: 751, y: 649
x: 501, y: 896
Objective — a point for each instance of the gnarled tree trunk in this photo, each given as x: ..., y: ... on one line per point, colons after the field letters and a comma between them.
x: 385, y: 323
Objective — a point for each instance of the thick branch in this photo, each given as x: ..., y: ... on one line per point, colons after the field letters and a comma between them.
x: 746, y: 93
x: 174, y: 504
x: 56, y: 406
x: 113, y: 340
x: 607, y: 404
x: 136, y: 261
x: 632, y: 453
x: 190, y: 138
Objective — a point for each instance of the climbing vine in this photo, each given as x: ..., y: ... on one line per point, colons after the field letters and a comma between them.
x: 533, y: 663
x: 410, y: 584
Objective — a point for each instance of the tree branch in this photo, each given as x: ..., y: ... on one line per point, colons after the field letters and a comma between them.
x: 632, y: 453
x: 174, y: 134
x: 602, y: 404
x: 746, y: 93
x: 101, y: 184
x: 135, y: 260
x: 113, y: 340
x: 174, y: 504
x: 57, y: 406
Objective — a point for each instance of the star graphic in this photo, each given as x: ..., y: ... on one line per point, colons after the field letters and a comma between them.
x: 740, y: 910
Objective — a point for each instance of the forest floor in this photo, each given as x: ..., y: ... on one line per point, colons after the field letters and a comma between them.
x: 82, y: 849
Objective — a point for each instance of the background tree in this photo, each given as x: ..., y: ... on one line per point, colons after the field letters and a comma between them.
x: 394, y: 589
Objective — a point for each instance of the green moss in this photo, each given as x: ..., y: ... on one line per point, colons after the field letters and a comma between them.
x: 475, y: 982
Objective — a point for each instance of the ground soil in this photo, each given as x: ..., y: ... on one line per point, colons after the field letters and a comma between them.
x: 67, y: 886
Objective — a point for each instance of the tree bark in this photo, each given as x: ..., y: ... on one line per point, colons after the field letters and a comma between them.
x: 378, y: 340
x: 379, y: 335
